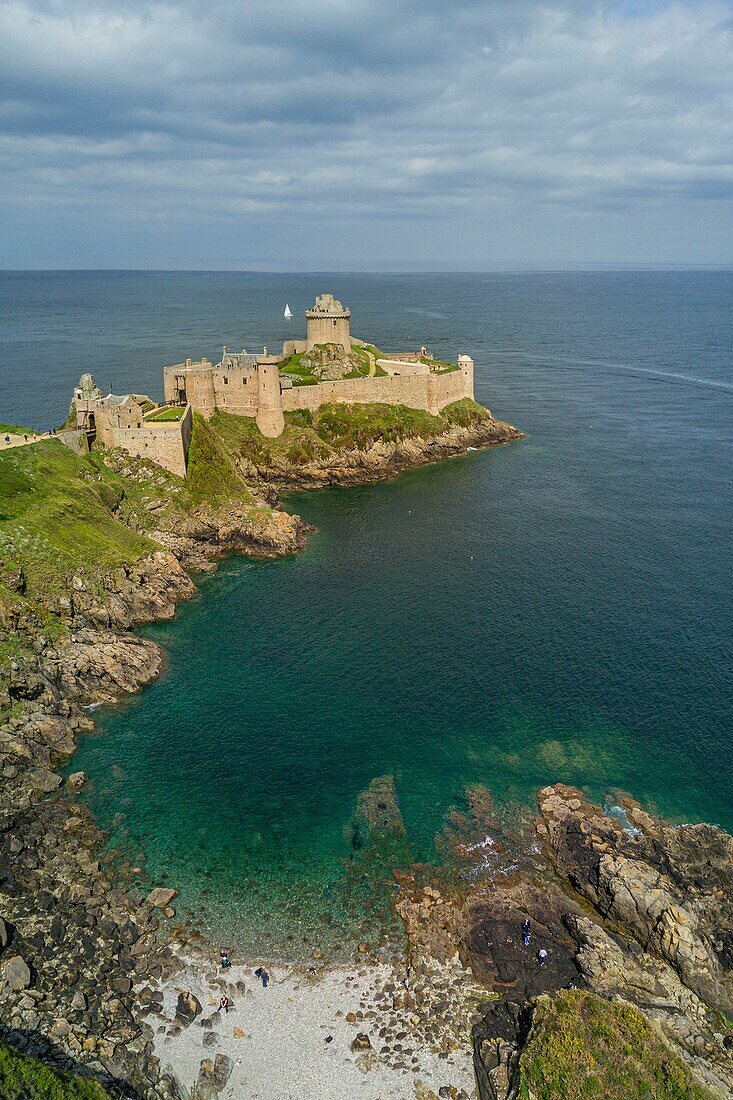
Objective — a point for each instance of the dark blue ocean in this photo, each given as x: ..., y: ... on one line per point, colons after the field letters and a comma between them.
x: 558, y: 609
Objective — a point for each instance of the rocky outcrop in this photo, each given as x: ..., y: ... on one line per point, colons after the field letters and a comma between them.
x: 641, y: 914
x: 261, y: 532
x: 669, y: 889
x: 382, y: 461
x: 329, y: 362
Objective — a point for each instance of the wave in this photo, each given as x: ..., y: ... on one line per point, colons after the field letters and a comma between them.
x: 654, y: 372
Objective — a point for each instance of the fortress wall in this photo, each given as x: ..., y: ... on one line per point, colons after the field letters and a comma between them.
x: 270, y: 419
x: 165, y: 443
x: 186, y: 431
x: 404, y: 367
x: 431, y: 393
x: 199, y: 385
x: 443, y: 389
x: 236, y: 392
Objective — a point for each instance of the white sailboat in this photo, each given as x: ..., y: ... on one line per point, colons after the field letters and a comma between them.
x: 287, y: 314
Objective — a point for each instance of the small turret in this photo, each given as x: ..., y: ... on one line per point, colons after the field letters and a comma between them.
x: 269, y: 418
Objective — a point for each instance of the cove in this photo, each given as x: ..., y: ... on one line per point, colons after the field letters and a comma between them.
x: 415, y: 637
x: 547, y: 611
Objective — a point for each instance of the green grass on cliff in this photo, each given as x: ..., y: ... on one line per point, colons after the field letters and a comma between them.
x: 582, y: 1047
x: 212, y: 474
x: 309, y: 436
x: 56, y: 516
x: 61, y: 513
x: 16, y: 429
x: 24, y: 1078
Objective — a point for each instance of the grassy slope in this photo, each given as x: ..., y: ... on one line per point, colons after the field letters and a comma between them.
x: 24, y: 1078
x: 55, y: 515
x: 61, y: 512
x: 583, y: 1047
x: 211, y: 472
x: 16, y: 429
x: 309, y: 436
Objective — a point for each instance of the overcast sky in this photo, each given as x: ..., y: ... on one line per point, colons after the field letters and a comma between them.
x: 364, y: 133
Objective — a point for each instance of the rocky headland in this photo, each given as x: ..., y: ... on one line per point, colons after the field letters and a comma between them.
x: 381, y: 460
x: 78, y: 949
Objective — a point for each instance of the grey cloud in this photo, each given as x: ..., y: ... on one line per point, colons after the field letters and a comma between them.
x: 375, y: 111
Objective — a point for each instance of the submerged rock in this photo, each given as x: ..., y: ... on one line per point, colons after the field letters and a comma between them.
x: 161, y: 896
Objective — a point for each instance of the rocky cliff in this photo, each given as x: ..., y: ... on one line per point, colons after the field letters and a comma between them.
x: 639, y: 914
x: 380, y: 460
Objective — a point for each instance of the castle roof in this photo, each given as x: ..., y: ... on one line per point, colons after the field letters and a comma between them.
x: 327, y: 306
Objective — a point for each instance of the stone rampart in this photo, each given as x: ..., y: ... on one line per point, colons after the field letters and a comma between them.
x: 431, y: 393
x: 164, y: 442
x: 411, y: 367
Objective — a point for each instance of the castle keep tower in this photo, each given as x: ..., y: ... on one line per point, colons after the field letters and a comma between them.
x: 328, y: 323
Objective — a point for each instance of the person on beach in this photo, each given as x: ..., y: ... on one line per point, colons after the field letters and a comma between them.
x: 541, y: 955
x: 223, y: 1004
x: 224, y: 960
x: 525, y: 932
x: 262, y: 974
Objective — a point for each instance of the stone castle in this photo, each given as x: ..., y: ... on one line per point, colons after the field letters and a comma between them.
x: 329, y: 366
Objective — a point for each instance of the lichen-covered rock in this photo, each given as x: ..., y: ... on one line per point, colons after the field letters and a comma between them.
x: 212, y: 1078
x: 187, y: 1009
x: 15, y: 973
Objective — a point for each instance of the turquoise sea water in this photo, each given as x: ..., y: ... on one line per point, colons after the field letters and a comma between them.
x: 557, y: 609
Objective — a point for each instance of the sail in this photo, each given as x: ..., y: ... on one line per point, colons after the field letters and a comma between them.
x: 287, y: 312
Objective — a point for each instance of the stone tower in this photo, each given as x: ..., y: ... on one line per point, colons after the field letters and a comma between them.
x: 328, y: 323
x: 269, y: 418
